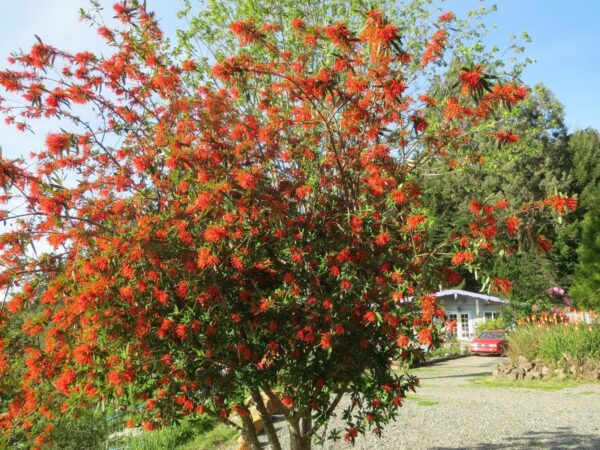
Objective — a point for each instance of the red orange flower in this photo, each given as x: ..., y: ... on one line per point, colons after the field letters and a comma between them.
x: 215, y: 233
x: 460, y: 258
x: 512, y: 224
x: 447, y: 16
x: 57, y: 143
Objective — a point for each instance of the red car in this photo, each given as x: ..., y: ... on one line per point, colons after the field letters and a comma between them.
x: 489, y: 342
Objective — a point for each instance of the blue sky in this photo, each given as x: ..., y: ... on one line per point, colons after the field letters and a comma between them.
x: 566, y: 45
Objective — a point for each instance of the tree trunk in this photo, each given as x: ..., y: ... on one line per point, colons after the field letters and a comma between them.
x: 249, y: 433
x: 267, y: 420
x: 306, y: 430
x: 300, y: 437
x: 298, y: 442
x: 306, y: 423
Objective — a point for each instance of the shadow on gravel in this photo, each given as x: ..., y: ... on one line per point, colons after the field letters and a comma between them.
x: 562, y: 438
x: 460, y: 375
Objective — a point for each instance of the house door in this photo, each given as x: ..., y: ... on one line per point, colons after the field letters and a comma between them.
x: 463, y: 327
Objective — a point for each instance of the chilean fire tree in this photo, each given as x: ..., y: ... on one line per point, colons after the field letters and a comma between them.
x: 264, y: 234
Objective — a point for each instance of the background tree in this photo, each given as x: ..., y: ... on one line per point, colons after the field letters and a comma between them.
x: 584, y: 146
x: 583, y: 233
x: 586, y: 282
x: 536, y: 167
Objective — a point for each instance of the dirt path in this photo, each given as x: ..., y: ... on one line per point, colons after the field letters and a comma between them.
x: 449, y: 411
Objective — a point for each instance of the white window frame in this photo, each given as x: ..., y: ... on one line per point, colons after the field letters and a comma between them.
x: 460, y: 328
x: 491, y: 315
x: 453, y: 316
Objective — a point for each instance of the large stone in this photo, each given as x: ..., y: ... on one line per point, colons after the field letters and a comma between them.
x: 538, y: 363
x: 546, y: 371
x: 511, y: 376
x: 257, y: 420
x: 272, y: 405
x: 521, y: 361
x: 242, y: 444
x: 560, y: 374
x: 574, y: 369
x: 535, y: 374
x: 589, y: 374
x: 517, y: 374
x: 269, y: 404
x: 528, y: 365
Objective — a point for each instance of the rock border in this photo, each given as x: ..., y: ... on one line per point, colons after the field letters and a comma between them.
x: 526, y: 369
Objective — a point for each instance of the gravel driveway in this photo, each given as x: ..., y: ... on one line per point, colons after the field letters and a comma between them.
x: 448, y: 412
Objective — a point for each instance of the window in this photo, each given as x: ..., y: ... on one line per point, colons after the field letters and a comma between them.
x: 491, y: 315
x: 451, y: 324
x: 464, y: 325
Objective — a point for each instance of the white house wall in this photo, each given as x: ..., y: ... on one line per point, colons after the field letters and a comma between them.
x: 474, y: 307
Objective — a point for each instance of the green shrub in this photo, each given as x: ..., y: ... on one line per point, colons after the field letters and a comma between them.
x: 525, y: 341
x: 571, y: 344
x: 168, y: 438
x: 86, y: 429
x: 92, y: 429
x: 494, y: 324
x: 560, y: 344
x: 448, y: 348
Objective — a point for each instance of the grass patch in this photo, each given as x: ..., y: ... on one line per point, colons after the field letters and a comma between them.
x: 426, y: 402
x: 199, y: 435
x: 165, y: 438
x: 550, y: 384
x: 218, y: 437
x: 422, y: 401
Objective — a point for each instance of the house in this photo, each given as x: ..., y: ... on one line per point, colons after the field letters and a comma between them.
x: 468, y: 309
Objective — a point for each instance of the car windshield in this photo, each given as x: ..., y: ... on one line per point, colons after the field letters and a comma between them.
x: 491, y: 335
